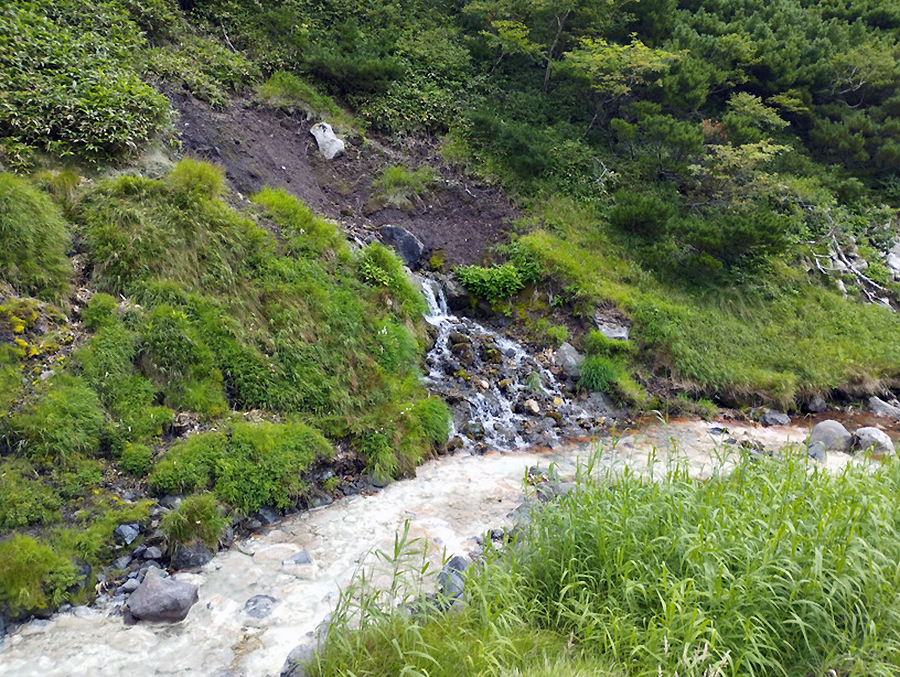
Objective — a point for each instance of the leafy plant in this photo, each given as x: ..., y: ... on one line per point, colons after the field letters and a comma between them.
x: 492, y: 284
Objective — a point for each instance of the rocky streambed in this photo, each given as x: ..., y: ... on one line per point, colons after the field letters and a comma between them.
x: 266, y: 595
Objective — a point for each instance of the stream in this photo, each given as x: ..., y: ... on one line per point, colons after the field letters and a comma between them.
x: 450, y: 502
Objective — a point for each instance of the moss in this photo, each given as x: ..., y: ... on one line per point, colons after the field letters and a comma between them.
x: 136, y: 459
x: 32, y: 575
x: 198, y: 519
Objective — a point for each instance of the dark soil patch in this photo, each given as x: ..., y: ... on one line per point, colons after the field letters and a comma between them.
x: 261, y: 146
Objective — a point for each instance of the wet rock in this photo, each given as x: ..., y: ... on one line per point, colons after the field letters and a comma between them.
x: 302, y: 565
x: 450, y: 580
x: 130, y: 585
x: 772, y: 417
x: 191, y: 556
x: 474, y: 430
x: 330, y: 146
x: 457, y: 296
x: 267, y: 515
x: 816, y: 405
x: 125, y: 534
x: 161, y: 600
x: 833, y: 435
x: 260, y: 606
x: 569, y: 360
x: 881, y: 408
x: 817, y: 452
x: 298, y: 658
x: 407, y: 245
x: 874, y: 440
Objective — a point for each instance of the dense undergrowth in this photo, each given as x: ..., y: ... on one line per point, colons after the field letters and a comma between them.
x: 773, y: 568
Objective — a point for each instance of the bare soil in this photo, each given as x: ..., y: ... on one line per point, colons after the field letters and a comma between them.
x: 261, y: 146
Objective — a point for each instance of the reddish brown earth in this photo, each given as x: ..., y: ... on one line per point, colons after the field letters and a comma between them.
x: 261, y: 146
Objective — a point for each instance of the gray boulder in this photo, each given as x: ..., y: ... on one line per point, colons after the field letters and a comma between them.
x: 874, y: 440
x: 125, y: 534
x: 817, y: 452
x: 772, y: 417
x: 816, y: 405
x: 330, y: 146
x: 881, y: 408
x: 833, y: 435
x: 161, y: 600
x: 450, y: 580
x: 611, y: 329
x: 407, y: 245
x: 569, y: 360
x: 191, y: 556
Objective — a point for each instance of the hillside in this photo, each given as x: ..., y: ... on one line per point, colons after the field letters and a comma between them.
x: 193, y: 301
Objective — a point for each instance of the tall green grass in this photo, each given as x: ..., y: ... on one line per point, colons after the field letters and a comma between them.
x: 777, y: 568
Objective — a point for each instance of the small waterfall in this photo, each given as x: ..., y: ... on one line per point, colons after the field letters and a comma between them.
x: 501, y: 396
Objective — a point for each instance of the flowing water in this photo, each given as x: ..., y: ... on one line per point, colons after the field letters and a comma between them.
x: 453, y: 500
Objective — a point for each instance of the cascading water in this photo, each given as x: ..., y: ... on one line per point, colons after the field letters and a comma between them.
x: 501, y: 396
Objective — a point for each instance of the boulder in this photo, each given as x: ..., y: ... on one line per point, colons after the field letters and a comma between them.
x: 881, y: 408
x: 407, y: 245
x: 772, y: 417
x: 474, y: 430
x: 532, y: 407
x: 817, y: 452
x: 153, y: 552
x: 874, y: 440
x: 816, y: 405
x: 611, y: 329
x: 191, y: 556
x: 125, y: 534
x: 569, y: 360
x: 833, y: 435
x: 330, y: 146
x: 457, y: 296
x: 450, y: 580
x: 161, y: 600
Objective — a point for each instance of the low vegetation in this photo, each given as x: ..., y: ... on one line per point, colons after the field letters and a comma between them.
x: 775, y: 568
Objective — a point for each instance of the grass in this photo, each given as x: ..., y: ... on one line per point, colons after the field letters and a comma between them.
x: 776, y: 568
x: 288, y: 92
x: 401, y: 187
x: 34, y: 240
x: 198, y: 519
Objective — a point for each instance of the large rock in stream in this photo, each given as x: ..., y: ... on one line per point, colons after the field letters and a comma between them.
x: 160, y: 600
x: 832, y: 435
x: 874, y: 440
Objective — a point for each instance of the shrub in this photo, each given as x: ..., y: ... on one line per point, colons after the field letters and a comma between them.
x: 34, y: 240
x: 401, y: 187
x: 599, y: 373
x: 79, y: 477
x: 136, y: 459
x: 379, y: 266
x: 65, y: 420
x: 433, y: 418
x: 100, y: 312
x: 492, y: 284
x: 198, y: 179
x: 249, y: 467
x: 597, y: 343
x: 78, y: 55
x: 198, y: 519
x: 32, y: 575
x: 24, y: 499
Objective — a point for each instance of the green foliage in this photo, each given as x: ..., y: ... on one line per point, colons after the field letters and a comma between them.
x: 248, y: 467
x: 286, y: 91
x: 100, y: 312
x: 206, y: 67
x: 24, y: 498
x: 77, y: 478
x: 433, y: 419
x: 626, y: 565
x: 79, y: 56
x: 196, y: 179
x: 596, y: 343
x: 379, y: 266
x: 309, y: 235
x: 198, y: 519
x: 551, y: 334
x: 32, y: 575
x: 492, y: 284
x: 401, y: 187
x: 10, y: 378
x: 34, y: 240
x: 63, y: 421
x: 136, y: 459
x: 599, y: 373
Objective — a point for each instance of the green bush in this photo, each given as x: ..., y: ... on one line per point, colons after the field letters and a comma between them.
x: 65, y: 420
x: 379, y: 266
x: 79, y: 56
x: 197, y: 179
x: 136, y: 459
x: 492, y: 284
x: 79, y: 477
x: 100, y: 312
x: 248, y: 467
x: 32, y: 575
x: 34, y: 240
x: 198, y: 519
x: 597, y: 343
x: 599, y: 373
x: 24, y: 498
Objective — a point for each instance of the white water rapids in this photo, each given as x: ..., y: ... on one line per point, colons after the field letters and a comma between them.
x: 452, y: 500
